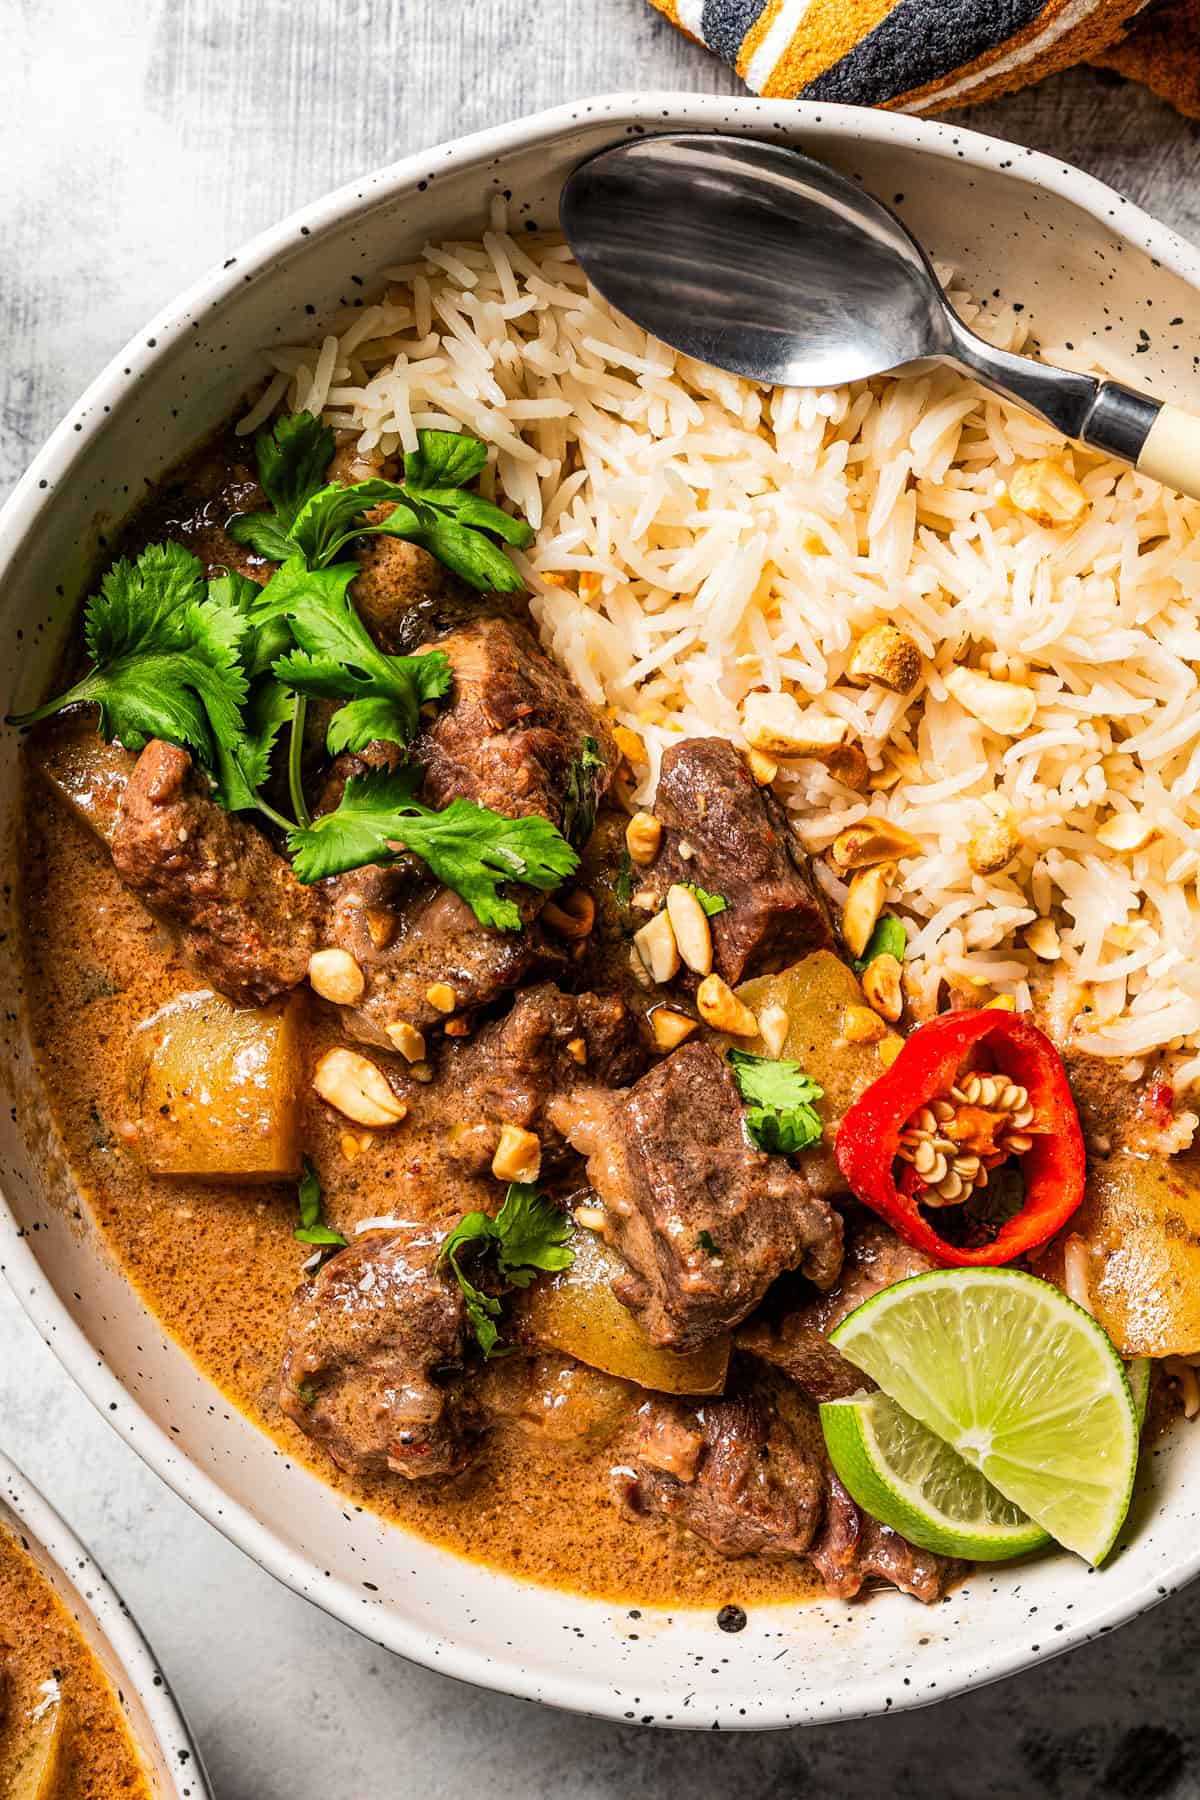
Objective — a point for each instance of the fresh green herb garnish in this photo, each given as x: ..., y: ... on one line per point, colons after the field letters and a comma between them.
x: 338, y: 659
x: 712, y: 903
x: 529, y: 1237
x: 468, y: 847
x: 623, y: 885
x: 781, y: 1117
x: 889, y: 938
x: 306, y: 1393
x: 312, y: 1229
x: 579, y: 801
x: 293, y: 455
x: 705, y: 1241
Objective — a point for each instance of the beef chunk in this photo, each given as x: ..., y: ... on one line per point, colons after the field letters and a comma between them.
x: 796, y: 1338
x: 548, y: 1044
x: 372, y: 1368
x: 743, y: 849
x: 407, y: 934
x: 403, y: 595
x: 745, y: 1473
x: 670, y: 1160
x: 853, y: 1547
x: 560, y: 1402
x: 512, y: 733
x: 246, y: 923
x: 749, y: 1475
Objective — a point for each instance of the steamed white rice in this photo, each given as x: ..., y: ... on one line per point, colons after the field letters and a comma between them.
x: 699, y: 537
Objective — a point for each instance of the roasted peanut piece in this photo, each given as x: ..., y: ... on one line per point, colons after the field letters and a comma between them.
x: 720, y: 1007
x: 643, y: 835
x: 864, y: 903
x: 889, y: 1049
x: 1125, y: 831
x: 1047, y: 493
x: 655, y: 944
x: 570, y: 917
x: 670, y: 1028
x: 407, y: 1040
x: 689, y: 922
x: 762, y: 767
x: 441, y: 996
x: 776, y: 723
x: 457, y: 1028
x: 630, y: 744
x: 992, y: 844
x: 847, y: 763
x: 773, y: 1025
x: 357, y: 1089
x: 881, y: 985
x: 887, y: 656
x: 860, y: 1025
x: 872, y: 840
x: 1000, y: 1003
x: 1003, y: 706
x: 1042, y: 938
x: 381, y: 926
x: 336, y: 976
x: 518, y: 1155
x: 577, y: 1051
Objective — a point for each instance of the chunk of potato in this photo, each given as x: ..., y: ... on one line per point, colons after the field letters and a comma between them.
x: 1139, y: 1225
x: 814, y: 993
x: 215, y: 1089
x: 30, y: 1770
x: 577, y: 1313
x: 85, y: 772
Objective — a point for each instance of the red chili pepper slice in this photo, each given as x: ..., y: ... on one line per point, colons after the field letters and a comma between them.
x: 926, y: 1069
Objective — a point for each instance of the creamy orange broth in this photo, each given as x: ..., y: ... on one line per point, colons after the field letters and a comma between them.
x: 41, y: 1642
x: 218, y: 1265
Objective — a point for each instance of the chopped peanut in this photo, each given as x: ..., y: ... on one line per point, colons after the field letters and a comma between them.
x: 872, y: 840
x: 889, y: 1049
x: 881, y: 985
x: 643, y: 835
x: 720, y: 1007
x: 1000, y: 1003
x: 357, y: 1088
x: 993, y: 844
x: 689, y: 922
x: 864, y: 903
x: 1042, y: 938
x: 773, y: 1025
x: 441, y: 996
x: 457, y: 1028
x: 764, y: 768
x: 407, y: 1040
x: 353, y: 1143
x: 862, y: 1026
x: 775, y: 723
x: 847, y: 764
x: 655, y: 944
x: 577, y: 1051
x: 1126, y: 831
x: 887, y: 656
x: 630, y: 744
x: 381, y: 926
x: 336, y: 976
x: 670, y: 1028
x: 572, y: 917
x: 590, y: 1217
x: 1047, y: 493
x: 1003, y: 706
x: 518, y: 1155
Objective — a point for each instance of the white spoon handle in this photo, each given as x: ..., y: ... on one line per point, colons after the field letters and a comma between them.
x: 1171, y: 453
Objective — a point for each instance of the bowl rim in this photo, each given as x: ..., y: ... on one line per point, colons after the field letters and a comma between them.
x: 88, y: 417
x: 100, y: 1609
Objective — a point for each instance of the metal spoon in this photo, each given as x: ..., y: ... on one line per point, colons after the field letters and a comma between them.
x: 754, y: 258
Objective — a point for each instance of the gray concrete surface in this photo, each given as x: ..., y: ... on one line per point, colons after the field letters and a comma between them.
x: 141, y: 141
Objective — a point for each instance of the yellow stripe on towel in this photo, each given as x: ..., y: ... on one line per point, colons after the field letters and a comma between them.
x: 831, y: 30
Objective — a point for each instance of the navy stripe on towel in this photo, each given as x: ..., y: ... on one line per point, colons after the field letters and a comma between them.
x: 920, y: 41
x: 726, y: 22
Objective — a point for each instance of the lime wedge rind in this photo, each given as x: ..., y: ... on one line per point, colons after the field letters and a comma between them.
x: 984, y: 1358
x: 907, y: 1478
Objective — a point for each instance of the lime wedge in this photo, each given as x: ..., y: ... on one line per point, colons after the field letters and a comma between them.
x: 1020, y: 1381
x: 1138, y: 1373
x: 909, y: 1479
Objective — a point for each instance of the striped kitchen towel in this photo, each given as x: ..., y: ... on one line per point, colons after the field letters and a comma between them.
x: 924, y: 55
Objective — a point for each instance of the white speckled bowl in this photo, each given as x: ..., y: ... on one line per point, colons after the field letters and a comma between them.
x: 172, y: 1766
x: 1039, y: 234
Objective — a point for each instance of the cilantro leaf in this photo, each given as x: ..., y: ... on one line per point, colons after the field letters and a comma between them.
x: 889, y: 938
x: 712, y: 903
x: 781, y: 1118
x: 339, y: 659
x: 528, y: 1235
x: 293, y: 456
x: 166, y: 660
x: 468, y: 847
x: 579, y: 801
x: 444, y: 459
x: 311, y: 1229
x: 325, y: 522
x: 463, y: 550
